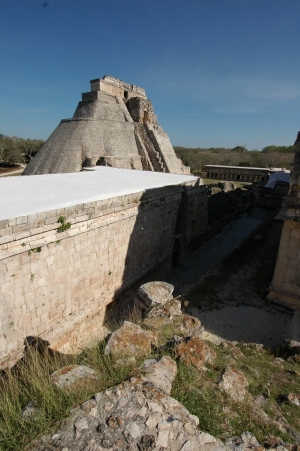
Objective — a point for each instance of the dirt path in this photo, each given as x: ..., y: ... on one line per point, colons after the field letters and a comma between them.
x: 243, y: 276
x: 214, y: 251
x: 11, y: 172
x: 230, y: 297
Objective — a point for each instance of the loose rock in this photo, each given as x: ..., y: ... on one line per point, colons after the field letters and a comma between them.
x: 155, y: 293
x: 195, y: 352
x: 160, y: 372
x: 149, y: 420
x: 234, y: 383
x: 294, y: 398
x: 72, y: 377
x: 130, y: 340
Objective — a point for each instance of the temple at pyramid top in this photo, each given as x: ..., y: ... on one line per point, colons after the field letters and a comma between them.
x: 114, y: 125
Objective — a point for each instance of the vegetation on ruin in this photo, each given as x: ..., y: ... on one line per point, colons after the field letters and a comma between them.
x: 29, y: 382
x: 63, y: 224
x: 269, y: 377
x: 270, y: 156
x: 220, y: 415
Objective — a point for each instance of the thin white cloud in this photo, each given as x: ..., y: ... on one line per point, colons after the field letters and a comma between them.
x: 276, y: 90
x: 184, y: 114
x: 231, y: 91
x: 32, y: 110
x: 238, y: 110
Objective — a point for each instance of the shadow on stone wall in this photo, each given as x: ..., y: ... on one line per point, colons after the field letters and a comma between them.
x: 226, y: 204
x: 150, y: 249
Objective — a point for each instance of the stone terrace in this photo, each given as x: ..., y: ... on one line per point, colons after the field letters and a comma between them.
x: 57, y: 281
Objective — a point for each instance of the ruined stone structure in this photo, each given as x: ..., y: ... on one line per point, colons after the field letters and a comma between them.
x: 114, y: 125
x: 70, y: 244
x: 235, y: 173
x: 270, y: 185
x: 285, y: 287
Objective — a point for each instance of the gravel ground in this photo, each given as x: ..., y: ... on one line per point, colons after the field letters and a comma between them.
x: 226, y: 282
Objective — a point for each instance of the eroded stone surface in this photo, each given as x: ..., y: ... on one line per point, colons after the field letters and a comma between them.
x: 234, y: 350
x: 160, y: 315
x: 135, y: 415
x: 195, y: 352
x: 246, y: 442
x: 140, y: 415
x: 190, y: 325
x: 130, y: 340
x: 289, y: 347
x: 294, y: 398
x: 73, y: 376
x: 212, y: 338
x: 155, y: 293
x: 234, y: 383
x: 160, y: 372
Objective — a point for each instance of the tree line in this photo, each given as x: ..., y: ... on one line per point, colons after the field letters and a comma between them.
x: 270, y: 156
x: 14, y: 150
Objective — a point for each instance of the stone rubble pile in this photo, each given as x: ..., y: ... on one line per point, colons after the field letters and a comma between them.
x: 140, y: 414
x: 136, y: 415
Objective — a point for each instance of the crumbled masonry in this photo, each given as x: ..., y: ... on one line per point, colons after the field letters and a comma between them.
x: 140, y: 414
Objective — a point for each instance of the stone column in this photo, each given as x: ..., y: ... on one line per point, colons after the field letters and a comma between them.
x: 285, y: 286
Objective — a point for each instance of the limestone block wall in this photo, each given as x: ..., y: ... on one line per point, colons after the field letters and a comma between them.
x: 116, y: 87
x: 57, y: 284
x: 141, y: 110
x: 192, y: 222
x: 163, y: 145
x: 285, y: 287
x: 192, y: 216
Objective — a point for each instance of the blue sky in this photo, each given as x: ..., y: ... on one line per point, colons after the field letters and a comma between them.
x: 219, y: 72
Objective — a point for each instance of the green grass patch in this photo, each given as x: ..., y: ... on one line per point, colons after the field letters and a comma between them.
x: 30, y: 382
x: 201, y: 399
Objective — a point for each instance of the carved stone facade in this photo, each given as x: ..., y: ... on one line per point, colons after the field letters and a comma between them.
x: 235, y: 173
x: 114, y: 125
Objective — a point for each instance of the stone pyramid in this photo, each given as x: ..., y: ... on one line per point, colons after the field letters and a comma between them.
x: 114, y: 125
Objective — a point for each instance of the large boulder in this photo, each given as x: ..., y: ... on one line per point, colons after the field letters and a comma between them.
x: 130, y: 340
x: 153, y: 293
x: 190, y: 325
x: 195, y: 352
x: 170, y: 313
x: 289, y: 348
x: 235, y: 383
x: 293, y: 398
x: 161, y: 372
x: 72, y: 377
x: 160, y: 315
x: 247, y: 442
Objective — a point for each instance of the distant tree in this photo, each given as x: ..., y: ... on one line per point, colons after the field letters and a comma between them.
x: 15, y: 150
x: 239, y: 149
x: 244, y: 164
x: 271, y: 156
x: 284, y: 149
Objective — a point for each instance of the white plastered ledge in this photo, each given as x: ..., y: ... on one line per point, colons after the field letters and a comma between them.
x: 26, y: 195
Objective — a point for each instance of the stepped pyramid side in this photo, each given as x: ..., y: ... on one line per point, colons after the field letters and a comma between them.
x: 114, y: 125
